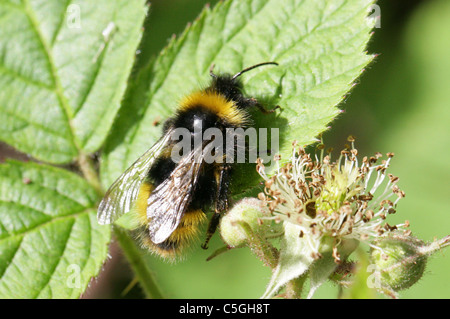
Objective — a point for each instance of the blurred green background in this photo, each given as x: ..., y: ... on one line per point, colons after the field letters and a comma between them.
x: 401, y: 105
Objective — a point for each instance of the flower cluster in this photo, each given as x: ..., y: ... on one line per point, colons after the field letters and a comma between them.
x: 344, y: 199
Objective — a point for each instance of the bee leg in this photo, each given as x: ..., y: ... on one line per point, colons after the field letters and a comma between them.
x: 211, y: 71
x: 254, y: 102
x: 221, y: 207
x: 213, y: 223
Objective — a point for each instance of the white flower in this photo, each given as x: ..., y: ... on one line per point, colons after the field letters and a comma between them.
x: 345, y: 199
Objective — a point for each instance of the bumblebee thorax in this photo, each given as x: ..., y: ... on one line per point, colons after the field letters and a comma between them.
x: 197, y: 119
x: 211, y: 108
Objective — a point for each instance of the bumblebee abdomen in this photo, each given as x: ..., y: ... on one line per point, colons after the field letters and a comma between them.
x: 182, y: 236
x: 161, y: 169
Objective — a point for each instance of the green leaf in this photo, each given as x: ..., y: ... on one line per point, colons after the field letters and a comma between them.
x: 50, y: 242
x: 325, y: 266
x: 362, y: 279
x: 64, y: 66
x: 319, y: 46
x: 320, y: 270
x: 295, y: 260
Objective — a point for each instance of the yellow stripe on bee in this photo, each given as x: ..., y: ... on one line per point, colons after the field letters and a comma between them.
x: 182, y: 236
x: 141, y: 202
x: 217, y: 103
x: 188, y: 227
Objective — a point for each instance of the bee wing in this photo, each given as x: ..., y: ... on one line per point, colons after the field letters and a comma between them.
x: 122, y: 194
x: 169, y: 201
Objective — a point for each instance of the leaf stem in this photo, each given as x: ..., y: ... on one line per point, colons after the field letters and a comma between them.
x: 90, y: 173
x: 138, y: 265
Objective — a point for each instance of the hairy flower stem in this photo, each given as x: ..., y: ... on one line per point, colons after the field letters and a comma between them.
x: 294, y: 288
x: 260, y: 246
x: 435, y: 246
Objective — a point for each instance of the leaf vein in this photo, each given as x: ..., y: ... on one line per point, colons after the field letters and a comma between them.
x: 236, y: 33
x: 13, y: 256
x: 59, y: 261
x: 25, y: 79
x: 41, y: 225
x: 52, y: 68
x: 37, y: 125
x: 60, y: 24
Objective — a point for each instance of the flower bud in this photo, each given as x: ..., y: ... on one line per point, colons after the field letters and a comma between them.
x: 400, y: 261
x: 249, y: 212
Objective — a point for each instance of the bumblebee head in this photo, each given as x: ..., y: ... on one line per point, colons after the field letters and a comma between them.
x: 227, y: 85
x: 230, y: 85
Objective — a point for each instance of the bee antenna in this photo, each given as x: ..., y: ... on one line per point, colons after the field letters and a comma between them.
x: 251, y: 68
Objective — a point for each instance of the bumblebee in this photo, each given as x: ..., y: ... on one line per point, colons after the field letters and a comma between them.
x: 169, y: 197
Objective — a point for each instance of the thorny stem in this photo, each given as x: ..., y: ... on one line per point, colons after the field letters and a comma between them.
x: 134, y: 257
